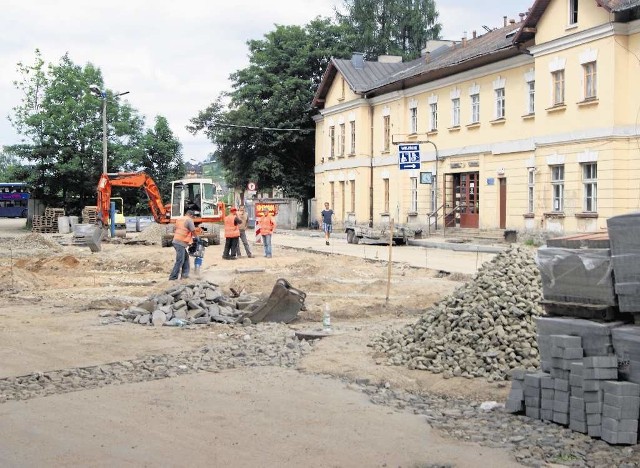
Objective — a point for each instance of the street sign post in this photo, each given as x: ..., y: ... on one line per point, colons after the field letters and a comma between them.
x: 409, y: 157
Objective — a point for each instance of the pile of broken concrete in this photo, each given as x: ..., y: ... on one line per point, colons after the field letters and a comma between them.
x: 184, y: 304
x: 484, y: 329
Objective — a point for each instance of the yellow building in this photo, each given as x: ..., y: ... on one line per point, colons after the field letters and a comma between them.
x: 531, y: 127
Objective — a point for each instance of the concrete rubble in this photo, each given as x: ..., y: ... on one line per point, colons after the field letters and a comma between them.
x: 484, y: 329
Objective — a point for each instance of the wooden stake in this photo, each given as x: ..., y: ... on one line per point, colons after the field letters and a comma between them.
x: 389, y: 265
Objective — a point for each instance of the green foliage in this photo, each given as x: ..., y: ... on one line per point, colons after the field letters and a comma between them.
x: 273, y: 93
x: 393, y: 27
x: 9, y: 167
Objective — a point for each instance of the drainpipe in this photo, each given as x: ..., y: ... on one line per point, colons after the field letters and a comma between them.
x: 371, y: 165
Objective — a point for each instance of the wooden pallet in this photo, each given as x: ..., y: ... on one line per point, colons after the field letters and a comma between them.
x: 586, y: 311
x: 90, y: 215
x: 592, y: 240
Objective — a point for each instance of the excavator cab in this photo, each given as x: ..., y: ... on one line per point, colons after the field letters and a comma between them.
x: 198, y: 195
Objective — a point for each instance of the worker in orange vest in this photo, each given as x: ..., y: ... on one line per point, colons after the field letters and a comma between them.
x: 267, y: 227
x: 231, y: 234
x: 183, y: 236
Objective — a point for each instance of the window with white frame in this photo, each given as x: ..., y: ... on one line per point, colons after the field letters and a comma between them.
x: 386, y: 195
x: 433, y: 116
x: 475, y: 108
x: 332, y: 142
x: 413, y: 120
x: 573, y: 12
x: 413, y: 206
x: 557, y: 187
x: 531, y: 97
x: 590, y: 80
x: 531, y: 184
x: 558, y: 87
x: 353, y: 196
x: 386, y: 130
x: 500, y: 103
x: 590, y: 184
x: 455, y: 112
x: 342, y: 138
x: 353, y: 137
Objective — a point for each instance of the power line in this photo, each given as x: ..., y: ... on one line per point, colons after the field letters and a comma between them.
x: 272, y: 129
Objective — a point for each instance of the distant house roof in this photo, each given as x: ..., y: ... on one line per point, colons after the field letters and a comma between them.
x: 373, y: 78
x: 528, y: 30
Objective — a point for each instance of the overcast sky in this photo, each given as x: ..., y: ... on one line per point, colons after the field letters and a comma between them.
x: 174, y: 57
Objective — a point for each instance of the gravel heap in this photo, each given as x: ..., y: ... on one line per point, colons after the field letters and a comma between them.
x: 152, y: 233
x: 484, y: 329
x: 184, y: 304
x: 30, y: 242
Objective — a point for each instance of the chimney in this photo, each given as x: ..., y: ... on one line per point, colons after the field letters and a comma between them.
x: 512, y: 21
x: 474, y: 34
x: 357, y: 60
x: 464, y: 39
x: 504, y: 20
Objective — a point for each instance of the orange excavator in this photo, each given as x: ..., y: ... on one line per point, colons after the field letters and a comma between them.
x: 197, y: 194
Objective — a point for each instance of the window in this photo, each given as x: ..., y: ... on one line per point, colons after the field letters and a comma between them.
x: 500, y: 103
x: 530, y: 190
x: 531, y: 98
x: 557, y: 186
x: 455, y: 112
x: 475, y: 108
x: 386, y: 124
x: 413, y: 117
x: 433, y: 116
x: 353, y: 138
x: 558, y: 87
x: 353, y: 196
x: 342, y: 90
x: 386, y: 195
x: 332, y: 142
x: 573, y: 12
x: 413, y: 206
x: 342, y: 137
x: 343, y: 194
x: 332, y: 188
x: 590, y: 183
x: 590, y: 80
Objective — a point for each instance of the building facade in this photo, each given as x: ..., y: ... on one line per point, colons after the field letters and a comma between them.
x: 534, y: 126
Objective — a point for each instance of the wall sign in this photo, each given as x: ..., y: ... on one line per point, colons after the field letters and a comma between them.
x: 426, y: 178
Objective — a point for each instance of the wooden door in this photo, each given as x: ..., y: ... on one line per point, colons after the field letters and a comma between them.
x: 503, y: 202
x: 469, y: 200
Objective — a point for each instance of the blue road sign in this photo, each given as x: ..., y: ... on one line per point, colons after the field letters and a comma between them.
x: 409, y: 156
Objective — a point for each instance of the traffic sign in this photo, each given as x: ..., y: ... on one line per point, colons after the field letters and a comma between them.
x: 251, y: 186
x: 409, y: 156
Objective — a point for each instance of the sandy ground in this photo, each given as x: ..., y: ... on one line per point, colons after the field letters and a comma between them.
x: 49, y: 319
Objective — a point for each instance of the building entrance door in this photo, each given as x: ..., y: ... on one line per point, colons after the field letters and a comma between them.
x: 503, y: 202
x: 469, y: 200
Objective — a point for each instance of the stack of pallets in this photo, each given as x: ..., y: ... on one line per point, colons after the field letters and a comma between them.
x: 89, y: 215
x: 47, y: 223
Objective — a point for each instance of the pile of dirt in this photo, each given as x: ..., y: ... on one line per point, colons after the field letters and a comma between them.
x: 484, y: 329
x: 30, y: 242
x: 152, y: 234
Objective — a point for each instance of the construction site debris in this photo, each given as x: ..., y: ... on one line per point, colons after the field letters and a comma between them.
x: 29, y: 243
x: 484, y: 329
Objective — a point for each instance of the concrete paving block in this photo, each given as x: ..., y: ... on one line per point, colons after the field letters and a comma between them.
x: 532, y: 392
x: 533, y: 413
x: 600, y: 373
x: 514, y: 406
x: 622, y: 388
x: 626, y: 403
x: 559, y: 373
x: 576, y: 403
x: 578, y: 415
x: 561, y: 418
x: 594, y: 431
x: 607, y: 362
x: 593, y: 397
x: 593, y: 408
x: 546, y: 414
x: 589, y: 385
x: 615, y: 413
x: 620, y: 425
x: 566, y: 341
x: 547, y: 382
x: 573, y: 353
x: 517, y: 384
x: 557, y: 352
x: 578, y: 426
x: 577, y: 392
x: 575, y: 380
x: 619, y: 438
x: 516, y: 394
x: 562, y: 396
x: 546, y: 404
x: 533, y: 379
x: 576, y: 368
x: 531, y: 402
x: 517, y: 374
x: 561, y: 384
x: 548, y: 393
x: 561, y: 363
x: 594, y: 419
x: 560, y: 407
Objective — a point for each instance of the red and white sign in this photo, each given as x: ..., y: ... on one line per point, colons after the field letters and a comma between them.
x: 252, y: 186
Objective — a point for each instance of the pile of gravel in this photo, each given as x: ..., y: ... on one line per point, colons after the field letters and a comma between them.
x: 152, y: 233
x: 185, y: 304
x: 30, y: 242
x: 484, y: 329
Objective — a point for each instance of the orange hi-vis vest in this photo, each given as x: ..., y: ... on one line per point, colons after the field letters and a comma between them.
x: 267, y: 225
x: 231, y: 230
x: 182, y: 234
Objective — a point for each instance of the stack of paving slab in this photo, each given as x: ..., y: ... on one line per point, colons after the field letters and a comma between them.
x: 620, y: 413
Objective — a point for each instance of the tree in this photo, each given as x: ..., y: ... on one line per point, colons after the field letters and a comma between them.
x: 263, y: 128
x: 394, y: 27
x: 9, y: 167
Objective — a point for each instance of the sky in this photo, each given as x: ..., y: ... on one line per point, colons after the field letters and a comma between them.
x: 175, y: 57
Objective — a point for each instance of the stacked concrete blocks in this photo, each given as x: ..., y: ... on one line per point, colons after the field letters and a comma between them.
x: 565, y: 350
x: 533, y: 393
x: 596, y: 369
x: 515, y: 401
x: 620, y: 413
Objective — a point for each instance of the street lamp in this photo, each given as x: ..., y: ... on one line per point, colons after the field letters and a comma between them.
x: 102, y: 94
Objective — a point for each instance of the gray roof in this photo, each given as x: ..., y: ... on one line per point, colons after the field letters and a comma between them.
x: 361, y: 79
x: 618, y: 5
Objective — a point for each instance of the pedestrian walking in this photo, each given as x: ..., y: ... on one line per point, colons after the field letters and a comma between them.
x: 327, y: 222
x: 231, y: 234
x: 267, y: 228
x: 183, y: 236
x: 244, y: 220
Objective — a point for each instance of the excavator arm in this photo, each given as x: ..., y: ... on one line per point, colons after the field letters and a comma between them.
x: 135, y: 180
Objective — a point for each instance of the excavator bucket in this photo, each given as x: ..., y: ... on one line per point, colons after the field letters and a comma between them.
x: 283, y: 304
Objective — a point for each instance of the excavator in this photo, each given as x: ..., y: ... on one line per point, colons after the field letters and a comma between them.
x: 195, y: 194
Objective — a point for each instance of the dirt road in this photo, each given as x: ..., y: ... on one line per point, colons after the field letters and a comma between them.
x: 50, y: 319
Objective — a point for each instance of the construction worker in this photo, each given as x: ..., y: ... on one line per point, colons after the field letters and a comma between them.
x: 183, y: 236
x: 244, y: 220
x: 267, y: 227
x: 231, y: 234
